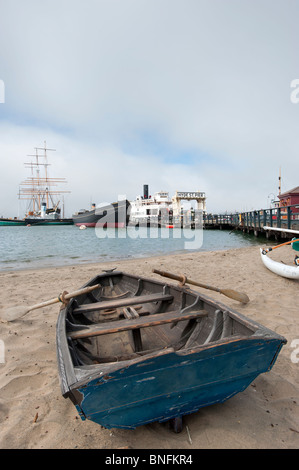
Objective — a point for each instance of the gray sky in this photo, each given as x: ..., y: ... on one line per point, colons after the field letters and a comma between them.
x: 179, y: 95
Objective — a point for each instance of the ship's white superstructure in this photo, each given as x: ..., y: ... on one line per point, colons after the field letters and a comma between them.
x: 151, y: 210
x: 161, y: 210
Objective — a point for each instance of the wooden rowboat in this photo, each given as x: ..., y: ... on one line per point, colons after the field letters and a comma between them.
x: 284, y: 270
x: 137, y: 350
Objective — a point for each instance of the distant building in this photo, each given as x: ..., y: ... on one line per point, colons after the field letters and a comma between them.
x: 289, y: 198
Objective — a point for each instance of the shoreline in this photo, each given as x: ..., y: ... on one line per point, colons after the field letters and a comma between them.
x: 116, y: 260
x: 264, y: 416
x: 88, y: 249
x: 132, y: 258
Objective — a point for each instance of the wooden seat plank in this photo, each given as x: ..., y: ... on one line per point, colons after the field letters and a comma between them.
x: 141, y: 322
x: 128, y: 301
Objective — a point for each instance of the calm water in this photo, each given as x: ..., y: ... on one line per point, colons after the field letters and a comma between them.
x: 36, y: 247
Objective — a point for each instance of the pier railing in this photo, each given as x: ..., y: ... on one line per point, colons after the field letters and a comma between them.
x: 286, y: 218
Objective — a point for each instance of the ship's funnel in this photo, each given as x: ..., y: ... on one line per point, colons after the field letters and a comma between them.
x: 43, y: 209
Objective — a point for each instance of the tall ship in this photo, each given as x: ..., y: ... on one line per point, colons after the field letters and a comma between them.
x: 41, y: 193
x: 114, y: 215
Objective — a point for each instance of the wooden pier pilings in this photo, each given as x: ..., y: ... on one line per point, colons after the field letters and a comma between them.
x: 258, y: 222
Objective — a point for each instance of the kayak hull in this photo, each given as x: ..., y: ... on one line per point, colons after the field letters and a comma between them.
x: 284, y: 270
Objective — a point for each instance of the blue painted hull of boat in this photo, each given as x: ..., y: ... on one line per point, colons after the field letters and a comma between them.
x: 175, y: 385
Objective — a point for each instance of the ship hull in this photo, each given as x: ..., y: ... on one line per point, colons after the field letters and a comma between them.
x: 36, y: 221
x: 12, y: 222
x: 112, y: 215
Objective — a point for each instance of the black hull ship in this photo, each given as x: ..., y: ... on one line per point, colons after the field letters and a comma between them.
x: 39, y: 221
x: 110, y: 215
x: 47, y: 217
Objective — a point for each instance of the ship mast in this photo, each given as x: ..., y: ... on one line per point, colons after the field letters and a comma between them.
x: 46, y: 164
x: 37, y: 188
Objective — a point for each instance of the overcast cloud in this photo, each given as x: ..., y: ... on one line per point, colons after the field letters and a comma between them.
x: 180, y: 95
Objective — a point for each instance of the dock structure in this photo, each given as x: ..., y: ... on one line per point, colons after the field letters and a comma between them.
x: 198, y: 196
x: 277, y: 223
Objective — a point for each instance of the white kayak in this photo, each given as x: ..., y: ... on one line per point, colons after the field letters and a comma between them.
x: 284, y: 270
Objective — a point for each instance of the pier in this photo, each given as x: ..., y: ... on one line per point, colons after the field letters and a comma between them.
x: 283, y: 220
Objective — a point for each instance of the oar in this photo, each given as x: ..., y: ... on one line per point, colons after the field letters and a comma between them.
x: 266, y: 250
x: 239, y: 296
x: 12, y: 313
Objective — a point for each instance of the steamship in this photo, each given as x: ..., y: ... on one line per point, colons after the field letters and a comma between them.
x: 50, y: 216
x: 151, y: 211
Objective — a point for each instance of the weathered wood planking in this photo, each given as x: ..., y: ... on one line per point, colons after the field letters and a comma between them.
x: 141, y: 322
x: 128, y: 301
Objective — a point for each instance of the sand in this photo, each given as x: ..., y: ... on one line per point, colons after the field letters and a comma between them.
x: 34, y: 415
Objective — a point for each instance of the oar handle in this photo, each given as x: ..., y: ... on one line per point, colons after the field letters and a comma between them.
x: 85, y: 290
x: 232, y: 294
x: 176, y: 277
x: 278, y: 246
x: 184, y: 279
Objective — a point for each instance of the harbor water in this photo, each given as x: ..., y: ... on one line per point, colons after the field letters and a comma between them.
x: 44, y: 247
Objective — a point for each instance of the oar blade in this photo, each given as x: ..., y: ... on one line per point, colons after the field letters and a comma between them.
x: 239, y: 296
x: 13, y: 313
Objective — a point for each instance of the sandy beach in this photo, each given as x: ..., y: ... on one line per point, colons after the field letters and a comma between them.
x: 34, y: 415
